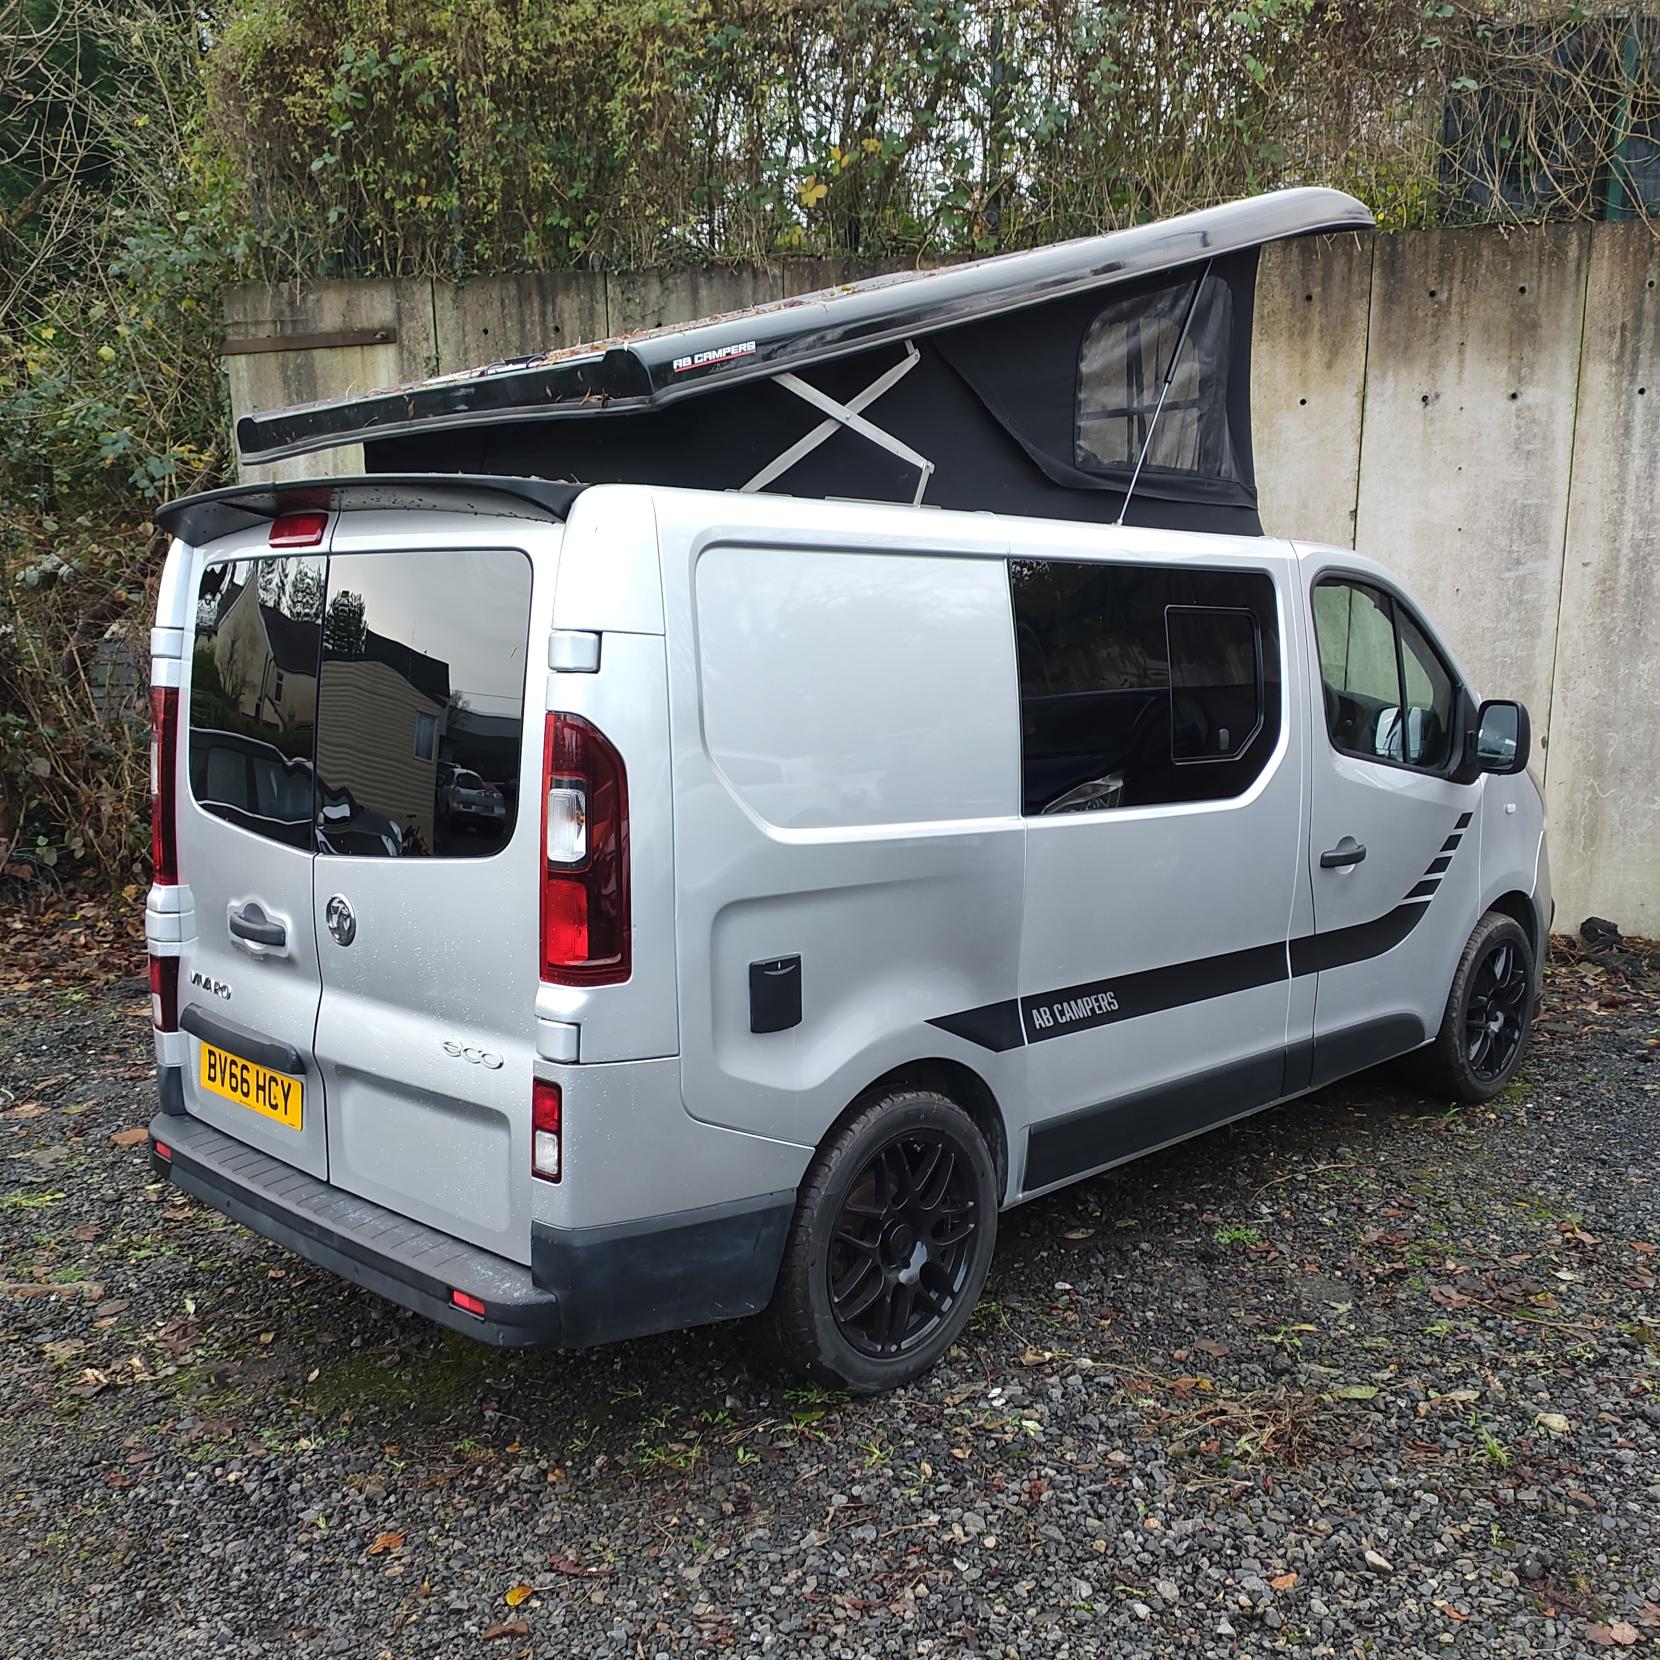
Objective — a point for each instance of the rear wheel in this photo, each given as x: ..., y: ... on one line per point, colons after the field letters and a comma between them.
x: 1489, y: 1015
x: 889, y: 1248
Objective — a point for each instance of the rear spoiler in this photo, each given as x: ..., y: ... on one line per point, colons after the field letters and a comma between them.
x: 206, y: 517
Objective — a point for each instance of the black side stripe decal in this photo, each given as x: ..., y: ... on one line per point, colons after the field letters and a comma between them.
x: 994, y: 1026
x: 1463, y: 822
x: 1053, y: 1014
x: 1081, y: 1008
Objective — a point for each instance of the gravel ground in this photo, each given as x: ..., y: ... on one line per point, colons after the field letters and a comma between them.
x: 1360, y: 1376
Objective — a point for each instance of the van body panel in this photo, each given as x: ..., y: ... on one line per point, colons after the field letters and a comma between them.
x: 608, y: 572
x: 851, y: 803
x: 627, y: 700
x: 632, y: 1153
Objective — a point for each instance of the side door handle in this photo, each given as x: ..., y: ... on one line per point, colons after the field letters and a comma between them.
x: 252, y: 924
x: 1337, y: 857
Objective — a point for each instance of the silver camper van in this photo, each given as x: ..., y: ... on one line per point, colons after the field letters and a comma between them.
x: 589, y: 907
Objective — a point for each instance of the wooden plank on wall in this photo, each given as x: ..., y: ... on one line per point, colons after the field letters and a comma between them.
x: 274, y: 380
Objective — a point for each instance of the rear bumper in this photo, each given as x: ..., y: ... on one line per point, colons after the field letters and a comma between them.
x: 585, y: 1286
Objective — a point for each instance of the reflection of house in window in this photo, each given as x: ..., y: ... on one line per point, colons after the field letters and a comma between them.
x: 371, y: 704
x: 267, y: 662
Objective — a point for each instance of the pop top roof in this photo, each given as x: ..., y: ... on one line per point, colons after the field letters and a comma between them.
x: 660, y: 367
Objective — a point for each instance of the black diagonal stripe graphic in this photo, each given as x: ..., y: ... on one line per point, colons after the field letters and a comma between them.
x: 1081, y: 1008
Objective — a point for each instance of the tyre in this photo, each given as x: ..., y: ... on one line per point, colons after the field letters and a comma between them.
x: 1489, y: 1015
x: 889, y: 1247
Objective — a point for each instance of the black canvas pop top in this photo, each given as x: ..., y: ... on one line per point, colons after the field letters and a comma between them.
x: 1038, y: 382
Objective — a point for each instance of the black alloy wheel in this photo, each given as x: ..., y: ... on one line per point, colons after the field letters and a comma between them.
x: 1495, y: 1017
x: 892, y: 1236
x: 903, y: 1244
x: 1488, y: 1015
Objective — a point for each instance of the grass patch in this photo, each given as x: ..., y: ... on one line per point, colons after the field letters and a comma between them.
x: 447, y: 1380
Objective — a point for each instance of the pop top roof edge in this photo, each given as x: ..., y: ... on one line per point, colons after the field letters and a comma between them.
x: 656, y: 366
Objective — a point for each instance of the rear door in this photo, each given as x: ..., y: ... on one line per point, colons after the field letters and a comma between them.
x: 426, y: 919
x: 248, y: 980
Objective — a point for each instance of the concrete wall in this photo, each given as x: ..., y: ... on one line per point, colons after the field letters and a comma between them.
x: 1480, y: 409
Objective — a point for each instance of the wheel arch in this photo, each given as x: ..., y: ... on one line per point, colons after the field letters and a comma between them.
x: 958, y: 1083
x: 1519, y: 907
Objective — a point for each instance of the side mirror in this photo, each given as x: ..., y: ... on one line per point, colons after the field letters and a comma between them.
x: 1503, y: 737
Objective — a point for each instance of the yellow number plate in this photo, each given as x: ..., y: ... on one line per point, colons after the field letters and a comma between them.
x: 257, y: 1087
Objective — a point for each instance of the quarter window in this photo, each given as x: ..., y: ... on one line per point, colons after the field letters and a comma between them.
x: 1388, y: 695
x: 1143, y: 684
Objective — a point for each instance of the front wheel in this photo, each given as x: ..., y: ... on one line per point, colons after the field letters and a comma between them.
x: 889, y: 1248
x: 1489, y: 1015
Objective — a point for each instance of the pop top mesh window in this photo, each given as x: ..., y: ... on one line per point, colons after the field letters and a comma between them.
x: 1126, y: 354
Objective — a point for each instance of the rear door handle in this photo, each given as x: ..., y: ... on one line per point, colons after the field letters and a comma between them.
x: 1336, y: 858
x: 252, y: 924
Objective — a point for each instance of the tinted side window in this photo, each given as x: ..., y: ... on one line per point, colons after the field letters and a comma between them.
x: 1355, y: 631
x: 1376, y: 663
x: 420, y: 703
x: 253, y: 694
x: 1215, y: 682
x: 1142, y: 684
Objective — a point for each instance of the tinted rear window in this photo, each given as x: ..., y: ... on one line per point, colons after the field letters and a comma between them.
x: 423, y: 663
x: 368, y: 705
x: 253, y: 693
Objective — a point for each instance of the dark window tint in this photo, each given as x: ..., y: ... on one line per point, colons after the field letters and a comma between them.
x: 1374, y: 663
x: 253, y: 693
x: 1126, y: 354
x: 1143, y: 684
x: 1215, y: 682
x: 421, y: 703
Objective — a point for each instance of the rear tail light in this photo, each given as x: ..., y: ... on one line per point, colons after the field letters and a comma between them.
x: 164, y: 775
x: 468, y: 1303
x: 585, y: 909
x: 164, y: 993
x: 546, y: 1112
x: 161, y: 1150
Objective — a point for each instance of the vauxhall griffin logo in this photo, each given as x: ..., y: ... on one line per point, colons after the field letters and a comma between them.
x: 217, y: 987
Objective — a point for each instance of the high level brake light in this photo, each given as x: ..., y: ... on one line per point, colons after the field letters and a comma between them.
x: 585, y: 906
x: 298, y: 530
